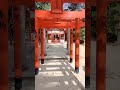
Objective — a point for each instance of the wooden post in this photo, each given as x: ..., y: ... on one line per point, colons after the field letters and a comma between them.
x: 87, y: 44
x: 71, y: 45
x: 56, y: 6
x: 42, y: 46
x: 36, y: 47
x: 77, y: 42
x: 17, y: 48
x: 101, y: 44
x: 24, y: 61
x: 52, y: 35
x: 4, y: 45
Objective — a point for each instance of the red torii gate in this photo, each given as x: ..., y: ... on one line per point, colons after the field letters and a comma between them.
x: 54, y: 25
x: 4, y: 46
x: 57, y: 18
x: 101, y: 8
x: 60, y: 25
x: 100, y: 41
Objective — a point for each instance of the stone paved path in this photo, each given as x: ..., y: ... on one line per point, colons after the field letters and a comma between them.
x: 57, y: 73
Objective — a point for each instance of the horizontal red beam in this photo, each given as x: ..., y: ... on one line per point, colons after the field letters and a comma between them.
x: 74, y: 1
x: 65, y: 15
x: 54, y: 25
x: 56, y: 19
x: 65, y: 1
x: 65, y: 24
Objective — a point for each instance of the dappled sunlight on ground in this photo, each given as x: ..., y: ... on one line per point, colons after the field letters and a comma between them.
x: 57, y: 73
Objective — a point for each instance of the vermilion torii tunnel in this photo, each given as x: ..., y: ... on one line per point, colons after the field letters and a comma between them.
x: 67, y: 20
x: 63, y: 22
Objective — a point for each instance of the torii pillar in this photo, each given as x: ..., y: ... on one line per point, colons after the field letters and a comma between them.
x: 87, y: 43
x: 23, y: 46
x: 42, y: 46
x: 71, y: 45
x: 4, y: 45
x: 36, y: 47
x: 101, y: 44
x: 17, y: 48
x: 77, y: 42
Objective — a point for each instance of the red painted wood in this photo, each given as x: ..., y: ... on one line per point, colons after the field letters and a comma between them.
x: 42, y: 44
x: 74, y: 1
x: 36, y: 44
x: 4, y: 45
x: 52, y: 25
x: 101, y: 44
x: 71, y: 43
x: 17, y: 43
x: 77, y: 42
x: 65, y: 15
x: 61, y: 24
x: 56, y: 6
x: 65, y: 1
x: 87, y: 38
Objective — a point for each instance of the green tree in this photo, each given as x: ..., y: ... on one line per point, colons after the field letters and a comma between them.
x: 42, y: 6
x: 113, y: 19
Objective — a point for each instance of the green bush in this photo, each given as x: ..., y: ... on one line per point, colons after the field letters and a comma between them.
x: 111, y: 37
x: 113, y: 14
x: 82, y: 35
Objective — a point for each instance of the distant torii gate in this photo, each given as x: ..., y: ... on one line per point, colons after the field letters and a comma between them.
x: 56, y: 14
x: 43, y: 24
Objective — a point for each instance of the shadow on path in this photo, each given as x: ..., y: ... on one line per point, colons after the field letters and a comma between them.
x: 57, y: 75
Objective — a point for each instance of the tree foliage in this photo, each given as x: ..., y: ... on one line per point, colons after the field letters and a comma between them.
x: 113, y: 19
x: 42, y: 6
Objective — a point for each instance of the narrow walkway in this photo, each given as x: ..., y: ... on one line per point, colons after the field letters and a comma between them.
x: 56, y: 51
x: 57, y: 73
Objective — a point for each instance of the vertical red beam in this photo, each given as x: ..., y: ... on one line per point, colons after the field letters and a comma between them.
x: 77, y: 42
x: 71, y: 45
x: 87, y: 43
x: 101, y: 44
x: 4, y: 45
x: 17, y: 48
x: 56, y: 6
x: 36, y: 47
x: 51, y: 37
x: 42, y: 46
